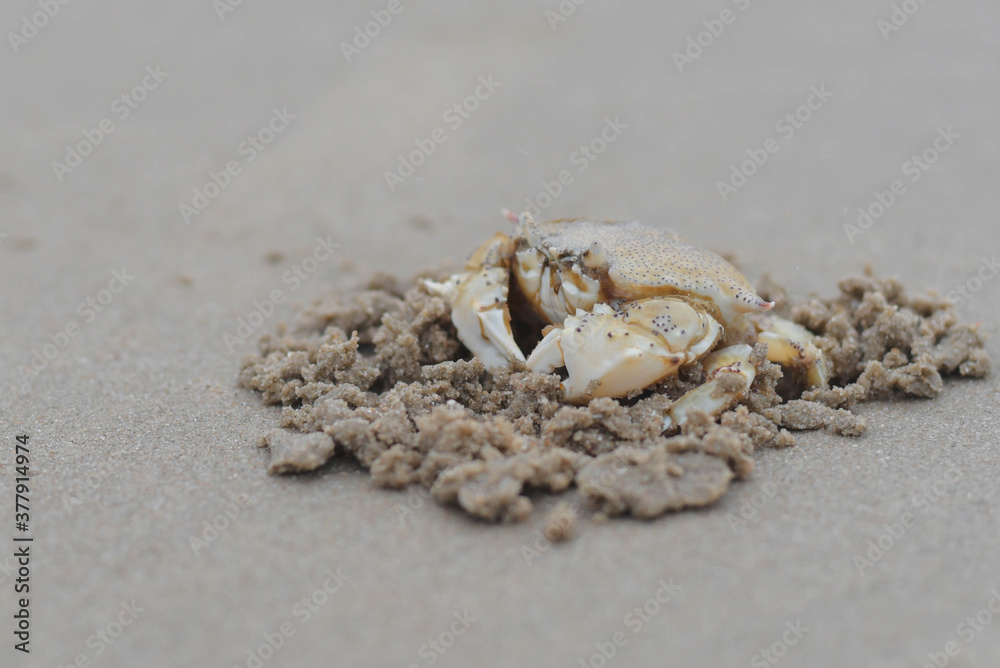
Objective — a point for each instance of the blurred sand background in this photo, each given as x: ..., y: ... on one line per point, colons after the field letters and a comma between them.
x: 140, y: 437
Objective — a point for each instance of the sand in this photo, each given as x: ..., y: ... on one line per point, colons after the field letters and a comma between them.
x: 151, y: 494
x: 381, y: 376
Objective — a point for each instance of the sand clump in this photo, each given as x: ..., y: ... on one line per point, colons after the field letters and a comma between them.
x: 380, y: 375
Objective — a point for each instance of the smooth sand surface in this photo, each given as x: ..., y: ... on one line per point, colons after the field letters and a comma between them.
x: 140, y: 438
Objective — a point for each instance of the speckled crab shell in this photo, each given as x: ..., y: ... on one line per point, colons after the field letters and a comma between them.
x: 629, y: 260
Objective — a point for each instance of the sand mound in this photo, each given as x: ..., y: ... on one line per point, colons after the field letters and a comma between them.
x: 379, y: 375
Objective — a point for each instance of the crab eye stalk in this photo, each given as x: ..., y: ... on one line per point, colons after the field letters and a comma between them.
x: 595, y: 257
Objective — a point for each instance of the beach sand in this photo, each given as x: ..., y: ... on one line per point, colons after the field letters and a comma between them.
x: 248, y: 178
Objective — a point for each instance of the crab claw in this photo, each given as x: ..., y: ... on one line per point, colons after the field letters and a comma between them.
x: 790, y: 344
x: 480, y: 314
x: 609, y: 353
x: 729, y: 374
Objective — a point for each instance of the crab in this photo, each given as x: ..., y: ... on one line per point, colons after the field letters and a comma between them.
x: 623, y: 306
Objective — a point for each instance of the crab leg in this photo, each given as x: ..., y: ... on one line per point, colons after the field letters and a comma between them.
x: 478, y: 300
x: 609, y: 353
x: 729, y: 374
x: 790, y: 344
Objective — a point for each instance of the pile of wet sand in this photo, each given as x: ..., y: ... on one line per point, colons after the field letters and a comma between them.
x: 380, y: 375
